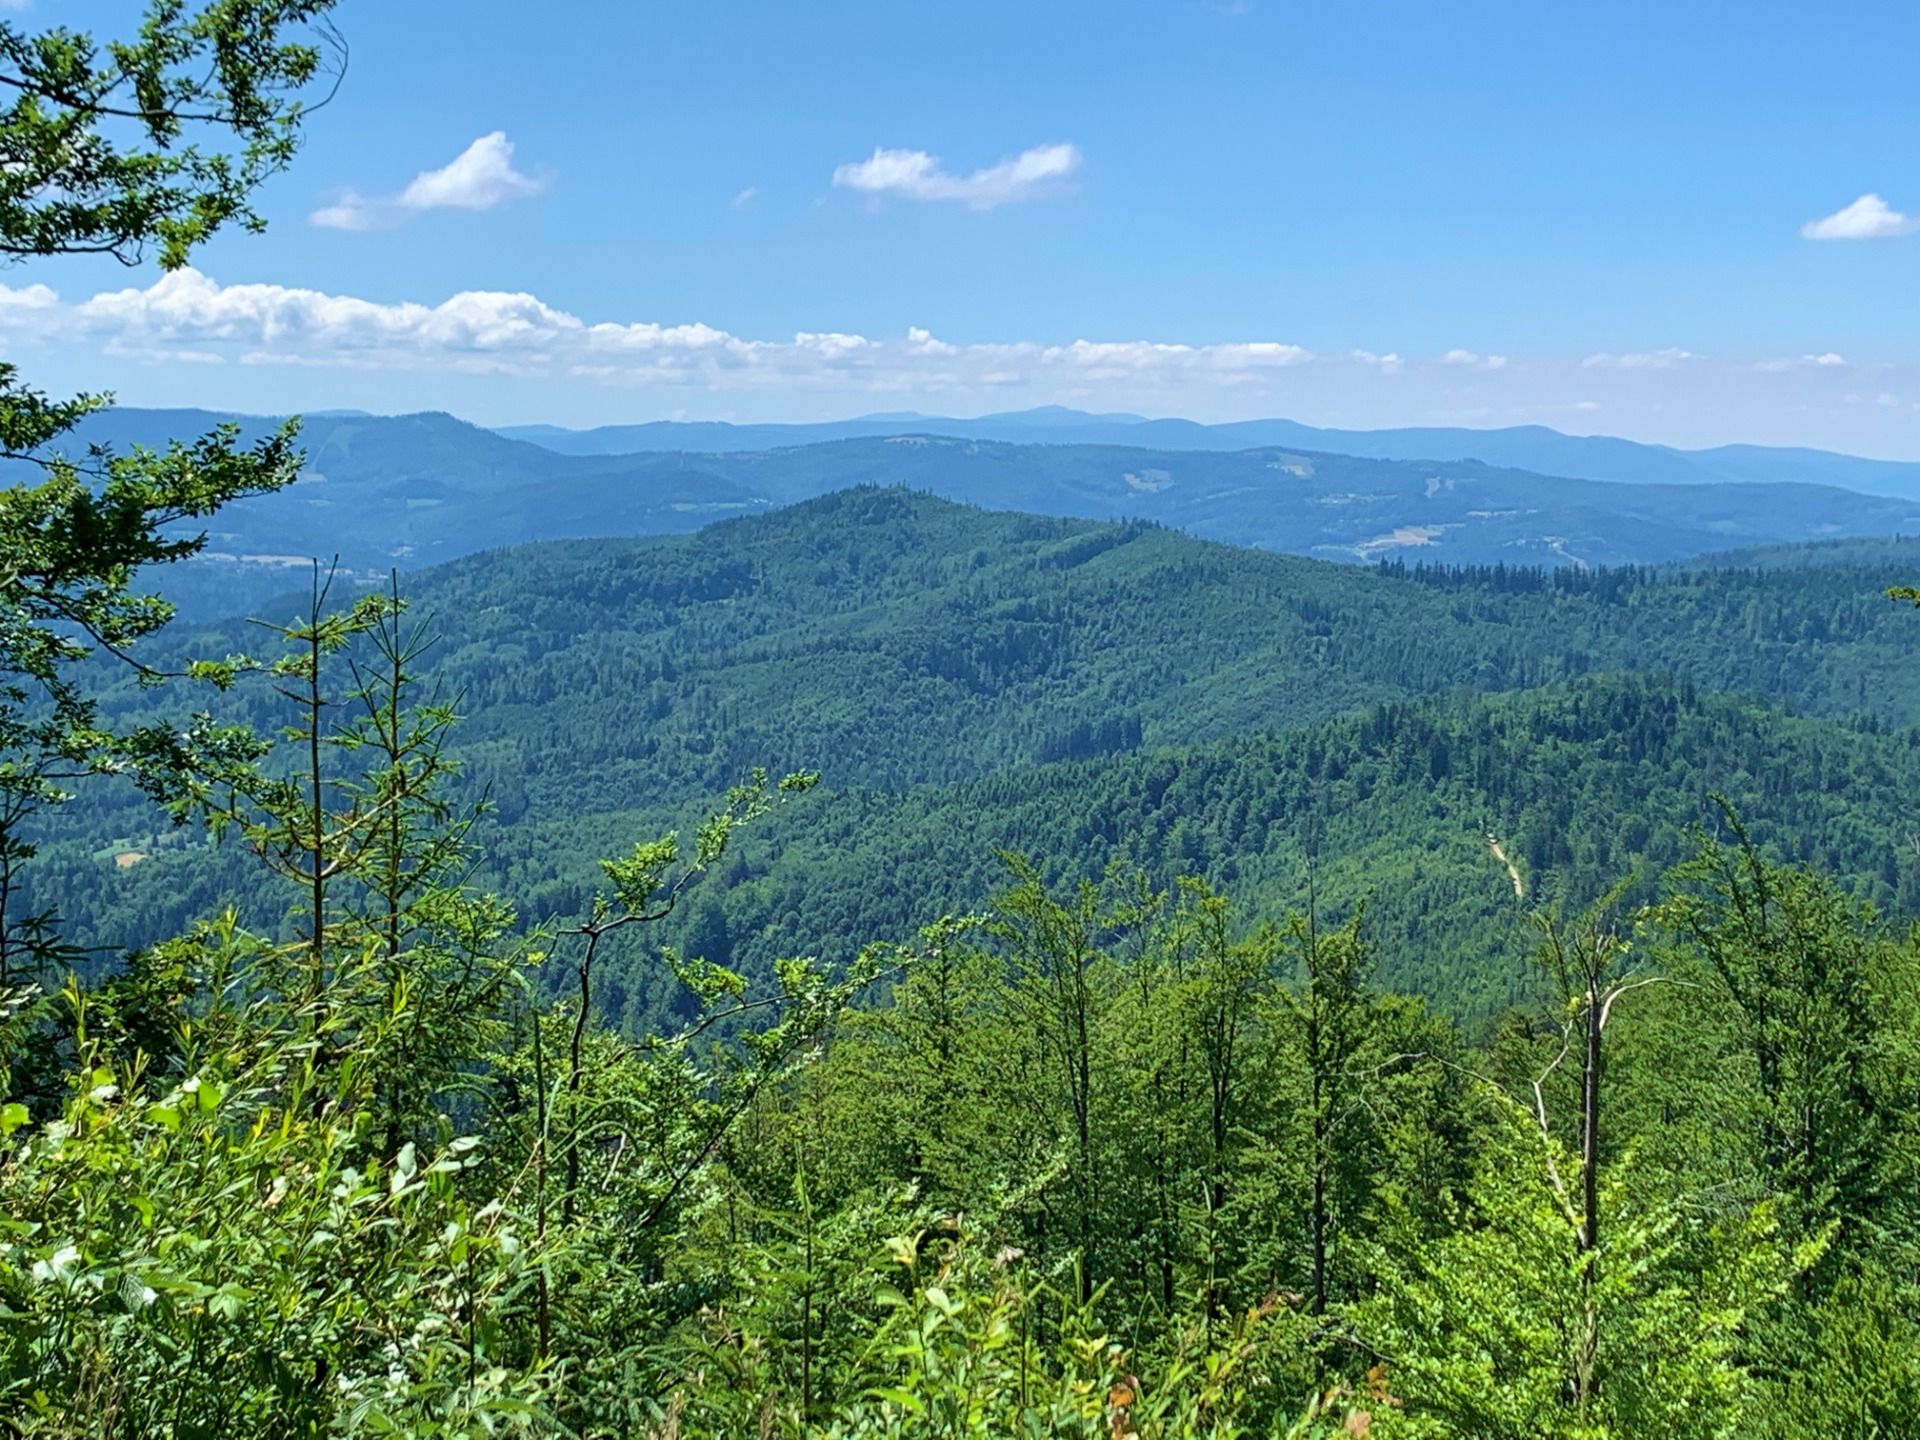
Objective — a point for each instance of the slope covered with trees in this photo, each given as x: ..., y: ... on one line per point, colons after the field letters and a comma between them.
x: 1580, y: 787
x: 911, y: 639
x: 1520, y: 447
x: 416, y: 490
x: 1102, y: 1152
x: 972, y: 681
x: 1107, y: 1157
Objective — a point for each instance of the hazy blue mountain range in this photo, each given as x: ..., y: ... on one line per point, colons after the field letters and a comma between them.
x: 413, y: 490
x: 423, y: 488
x: 1333, y: 506
x: 1522, y: 447
x: 409, y: 491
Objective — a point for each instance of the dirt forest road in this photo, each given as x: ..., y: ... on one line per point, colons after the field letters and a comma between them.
x: 1513, y: 871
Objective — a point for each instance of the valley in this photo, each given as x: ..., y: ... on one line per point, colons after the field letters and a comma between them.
x: 970, y: 681
x: 869, y: 722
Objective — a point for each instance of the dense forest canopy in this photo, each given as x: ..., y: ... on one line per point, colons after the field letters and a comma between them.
x: 1211, y: 993
x: 1405, y: 771
x: 982, y: 681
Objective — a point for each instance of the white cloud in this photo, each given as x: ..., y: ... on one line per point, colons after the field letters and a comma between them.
x: 922, y: 342
x: 1884, y: 400
x: 1826, y: 361
x: 916, y: 175
x: 830, y: 344
x: 349, y: 212
x: 447, y: 350
x: 744, y: 198
x: 151, y: 355
x: 519, y: 334
x: 1868, y: 218
x: 478, y: 178
x: 25, y: 300
x: 1471, y: 360
x: 1665, y: 359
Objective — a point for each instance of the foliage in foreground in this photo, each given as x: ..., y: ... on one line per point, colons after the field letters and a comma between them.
x: 1108, y: 1160
x: 1102, y: 1161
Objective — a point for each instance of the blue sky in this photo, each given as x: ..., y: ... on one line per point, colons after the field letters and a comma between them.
x: 1603, y: 217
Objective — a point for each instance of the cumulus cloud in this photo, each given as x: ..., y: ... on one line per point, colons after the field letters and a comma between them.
x: 478, y: 178
x: 26, y: 300
x: 448, y: 349
x: 832, y: 344
x: 1666, y: 359
x: 1473, y: 361
x: 921, y: 341
x: 916, y: 175
x: 1868, y: 218
x: 517, y: 333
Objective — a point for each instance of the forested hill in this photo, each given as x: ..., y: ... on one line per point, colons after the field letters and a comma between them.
x: 407, y: 491
x: 898, y: 639
x: 416, y: 490
x: 1400, y: 806
x: 1338, y: 506
x: 903, y: 644
x: 1523, y: 447
x: 1887, y: 552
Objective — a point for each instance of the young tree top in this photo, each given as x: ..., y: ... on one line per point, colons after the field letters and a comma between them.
x: 160, y: 139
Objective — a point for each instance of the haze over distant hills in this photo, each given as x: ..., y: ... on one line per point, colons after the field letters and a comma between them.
x: 414, y: 490
x: 408, y: 491
x: 1523, y: 447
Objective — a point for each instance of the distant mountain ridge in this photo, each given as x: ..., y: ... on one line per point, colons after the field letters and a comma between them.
x: 407, y: 491
x: 1523, y: 447
x: 412, y: 490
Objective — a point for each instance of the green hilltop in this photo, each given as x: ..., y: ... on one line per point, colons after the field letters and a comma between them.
x: 971, y: 680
